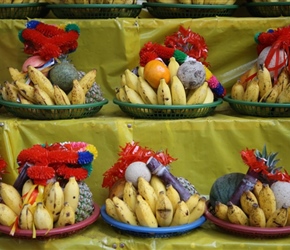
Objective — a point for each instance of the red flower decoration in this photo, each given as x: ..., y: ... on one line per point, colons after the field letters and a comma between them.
x: 40, y: 174
x: 67, y: 172
x: 130, y: 153
x: 3, y: 166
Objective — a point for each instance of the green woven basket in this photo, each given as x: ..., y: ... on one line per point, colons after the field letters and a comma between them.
x: 261, y: 109
x: 157, y: 112
x: 161, y: 10
x: 269, y: 9
x: 23, y: 11
x: 94, y: 11
x: 55, y: 112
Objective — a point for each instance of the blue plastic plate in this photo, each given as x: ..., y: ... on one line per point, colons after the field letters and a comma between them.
x: 160, y: 232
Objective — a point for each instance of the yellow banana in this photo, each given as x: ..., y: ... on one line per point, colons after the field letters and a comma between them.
x: 12, y: 92
x: 23, y: 100
x: 111, y: 209
x: 273, y: 95
x: 124, y: 213
x: 27, y: 186
x: 88, y: 80
x: 66, y: 216
x: 237, y: 91
x: 55, y: 200
x: 264, y: 80
x: 144, y: 214
x: 11, y: 197
x: 209, y: 96
x: 60, y: 97
x: 41, y: 97
x: 236, y: 215
x: 177, y: 92
x: 288, y: 219
x: 252, y: 91
x: 141, y: 71
x: 257, y: 188
x: 164, y: 93
x: 173, y: 196
x: 123, y: 95
x: 123, y: 80
x: 4, y: 94
x: 192, y: 201
x: 198, y: 211
x: 157, y: 184
x: 25, y: 219
x: 38, y: 78
x: 164, y: 210
x: 47, y: 189
x: 147, y: 192
x: 77, y: 94
x: 247, y: 200
x: 71, y: 193
x: 173, y: 66
x: 42, y: 218
x: 25, y: 90
x: 7, y: 215
x: 267, y: 200
x: 145, y: 90
x: 257, y: 216
x: 283, y: 77
x: 130, y: 195
x: 284, y: 96
x: 131, y: 79
x: 181, y: 215
x: 198, y: 95
x: 278, y: 218
x: 221, y: 211
x: 133, y: 96
x: 17, y: 75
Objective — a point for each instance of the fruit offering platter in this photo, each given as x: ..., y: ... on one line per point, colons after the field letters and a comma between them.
x: 146, y: 200
x: 48, y: 86
x: 255, y: 204
x: 264, y: 89
x: 169, y: 82
x: 49, y: 198
x: 190, y: 8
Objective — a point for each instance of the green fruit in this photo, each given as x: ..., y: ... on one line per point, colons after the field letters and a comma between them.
x: 224, y: 187
x: 63, y: 74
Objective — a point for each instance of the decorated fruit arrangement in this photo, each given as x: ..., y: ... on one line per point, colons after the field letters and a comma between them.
x: 47, y: 76
x: 143, y: 192
x: 171, y: 74
x: 267, y: 81
x: 259, y: 198
x: 50, y: 191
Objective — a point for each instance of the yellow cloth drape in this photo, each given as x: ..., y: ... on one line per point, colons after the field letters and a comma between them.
x: 206, y: 148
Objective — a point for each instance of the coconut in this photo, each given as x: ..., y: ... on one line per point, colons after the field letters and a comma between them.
x: 281, y: 191
x: 135, y: 170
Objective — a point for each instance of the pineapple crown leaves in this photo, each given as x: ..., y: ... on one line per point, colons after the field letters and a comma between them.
x: 269, y: 159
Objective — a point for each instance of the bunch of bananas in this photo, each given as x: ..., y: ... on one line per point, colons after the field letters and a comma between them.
x: 34, y: 87
x: 194, y: 1
x: 53, y: 207
x: 257, y: 208
x: 256, y: 85
x: 152, y: 204
x: 92, y: 1
x: 20, y: 1
x: 135, y: 89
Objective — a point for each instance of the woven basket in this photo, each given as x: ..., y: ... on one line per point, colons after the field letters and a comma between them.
x: 269, y: 9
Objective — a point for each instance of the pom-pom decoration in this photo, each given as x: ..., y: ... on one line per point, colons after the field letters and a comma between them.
x: 49, y: 41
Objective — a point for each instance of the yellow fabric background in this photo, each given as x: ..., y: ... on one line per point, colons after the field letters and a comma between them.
x: 206, y: 148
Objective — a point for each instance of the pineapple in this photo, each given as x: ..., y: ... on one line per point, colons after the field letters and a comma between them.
x: 94, y: 94
x: 86, y: 204
x: 184, y: 182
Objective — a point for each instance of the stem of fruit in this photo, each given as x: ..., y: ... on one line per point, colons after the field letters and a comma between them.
x: 247, y: 183
x: 162, y: 172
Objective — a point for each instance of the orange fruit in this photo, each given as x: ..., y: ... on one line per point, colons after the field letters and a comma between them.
x: 154, y: 71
